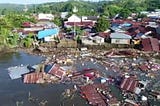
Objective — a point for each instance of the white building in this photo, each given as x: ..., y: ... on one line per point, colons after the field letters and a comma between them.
x: 64, y: 14
x: 74, y: 18
x: 99, y: 39
x: 42, y: 16
x: 120, y: 38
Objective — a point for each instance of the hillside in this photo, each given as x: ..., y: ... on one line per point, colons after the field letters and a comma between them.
x: 13, y: 7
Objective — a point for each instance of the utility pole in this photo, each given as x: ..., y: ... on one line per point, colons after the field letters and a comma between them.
x: 74, y: 11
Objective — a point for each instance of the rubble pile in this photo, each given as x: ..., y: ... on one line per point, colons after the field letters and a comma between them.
x: 97, y: 75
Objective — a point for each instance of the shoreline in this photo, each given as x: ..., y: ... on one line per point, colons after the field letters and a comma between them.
x: 50, y: 52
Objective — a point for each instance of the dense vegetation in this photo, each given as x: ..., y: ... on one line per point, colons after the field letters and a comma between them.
x: 12, y: 8
x: 107, y: 8
x: 7, y: 24
x: 13, y: 15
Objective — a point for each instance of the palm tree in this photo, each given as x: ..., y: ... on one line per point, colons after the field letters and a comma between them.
x: 4, y: 34
x: 28, y: 41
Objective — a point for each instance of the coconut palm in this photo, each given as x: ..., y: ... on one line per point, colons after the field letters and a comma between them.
x: 4, y: 34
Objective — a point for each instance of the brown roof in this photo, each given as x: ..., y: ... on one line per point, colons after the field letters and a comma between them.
x: 150, y: 44
x: 129, y: 84
x: 143, y: 67
x: 104, y: 34
x: 114, y: 102
x: 88, y: 23
x: 32, y: 77
x: 57, y: 71
x: 92, y: 95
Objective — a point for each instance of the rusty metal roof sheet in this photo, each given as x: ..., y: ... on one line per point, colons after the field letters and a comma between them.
x: 92, y: 95
x: 150, y: 44
x: 129, y: 84
x: 57, y: 71
x: 32, y: 77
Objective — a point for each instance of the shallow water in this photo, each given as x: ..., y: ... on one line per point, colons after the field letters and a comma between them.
x: 13, y: 91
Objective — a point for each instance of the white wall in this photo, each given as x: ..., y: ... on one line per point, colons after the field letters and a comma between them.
x: 45, y: 16
x: 74, y: 18
x: 49, y: 38
x: 99, y: 39
x: 120, y: 41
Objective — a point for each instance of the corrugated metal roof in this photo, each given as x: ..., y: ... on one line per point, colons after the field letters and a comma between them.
x: 155, y: 44
x: 47, y: 32
x: 129, y: 84
x: 17, y: 71
x: 150, y: 44
x: 143, y: 67
x: 120, y: 36
x: 55, y: 70
x: 91, y: 94
x: 32, y: 77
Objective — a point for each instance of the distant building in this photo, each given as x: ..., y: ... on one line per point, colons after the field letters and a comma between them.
x: 55, y: 70
x: 74, y: 18
x: 64, y: 14
x: 120, y: 38
x: 48, y: 34
x: 78, y: 21
x: 129, y: 84
x: 42, y: 16
x: 100, y: 37
x: 150, y: 44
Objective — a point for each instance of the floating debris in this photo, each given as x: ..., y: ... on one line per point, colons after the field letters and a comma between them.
x: 19, y: 103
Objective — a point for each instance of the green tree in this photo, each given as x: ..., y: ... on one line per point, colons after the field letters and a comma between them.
x: 58, y: 21
x: 152, y: 4
x: 28, y: 41
x: 3, y: 12
x: 79, y: 31
x: 5, y: 23
x: 13, y: 39
x: 4, y: 34
x: 111, y: 10
x: 16, y: 20
x: 125, y: 12
x: 102, y: 24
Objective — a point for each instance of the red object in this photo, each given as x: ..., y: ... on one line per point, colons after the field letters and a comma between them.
x: 143, y: 67
x: 150, y: 44
x: 93, y: 96
x: 88, y: 23
x: 26, y: 24
x: 57, y: 71
x: 129, y: 84
x: 90, y: 75
x: 32, y: 77
x: 104, y: 35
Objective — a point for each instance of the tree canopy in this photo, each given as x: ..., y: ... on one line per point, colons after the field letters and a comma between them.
x: 8, y: 23
x: 107, y: 8
x: 102, y: 24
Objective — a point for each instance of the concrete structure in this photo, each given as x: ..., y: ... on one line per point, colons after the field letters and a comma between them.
x: 74, y: 18
x: 120, y: 38
x: 99, y: 39
x: 42, y: 16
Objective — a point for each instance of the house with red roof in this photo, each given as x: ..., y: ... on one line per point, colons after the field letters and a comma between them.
x: 150, y: 44
x: 55, y: 70
x: 129, y: 84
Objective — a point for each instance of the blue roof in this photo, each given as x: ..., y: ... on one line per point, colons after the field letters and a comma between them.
x: 47, y: 32
x: 126, y: 25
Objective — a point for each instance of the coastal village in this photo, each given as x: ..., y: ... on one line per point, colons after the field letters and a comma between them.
x: 117, y: 67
